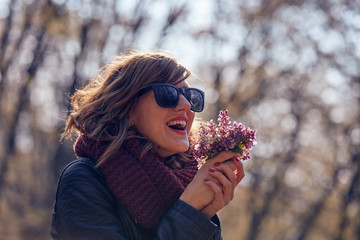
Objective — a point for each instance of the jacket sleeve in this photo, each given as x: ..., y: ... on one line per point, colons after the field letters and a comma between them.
x: 84, y: 209
x: 182, y: 221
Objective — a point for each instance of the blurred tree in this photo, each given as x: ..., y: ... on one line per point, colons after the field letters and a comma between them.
x: 288, y: 68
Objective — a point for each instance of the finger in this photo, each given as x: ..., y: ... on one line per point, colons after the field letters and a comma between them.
x: 226, y: 186
x: 197, y: 195
x: 223, y: 156
x: 218, y: 193
x: 229, y: 173
x: 240, y: 172
x: 230, y: 163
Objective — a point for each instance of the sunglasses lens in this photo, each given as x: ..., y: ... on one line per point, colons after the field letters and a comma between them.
x: 195, y: 98
x: 166, y: 96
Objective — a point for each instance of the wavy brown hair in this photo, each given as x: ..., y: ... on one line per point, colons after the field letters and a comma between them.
x: 101, y: 110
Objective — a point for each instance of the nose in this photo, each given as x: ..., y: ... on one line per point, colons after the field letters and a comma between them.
x: 183, y: 103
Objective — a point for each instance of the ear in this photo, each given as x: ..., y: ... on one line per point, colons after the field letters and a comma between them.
x: 130, y: 119
x: 131, y: 116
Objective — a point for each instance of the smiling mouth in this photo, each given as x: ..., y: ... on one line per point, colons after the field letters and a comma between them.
x: 177, y: 125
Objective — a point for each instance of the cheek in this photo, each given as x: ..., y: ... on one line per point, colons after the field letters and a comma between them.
x: 190, y: 121
x: 191, y: 117
x: 139, y: 117
x: 147, y: 119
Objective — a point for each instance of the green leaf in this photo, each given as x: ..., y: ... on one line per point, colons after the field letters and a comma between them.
x: 237, y: 150
x: 241, y: 145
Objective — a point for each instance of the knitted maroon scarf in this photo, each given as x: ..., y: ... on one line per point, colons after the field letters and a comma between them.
x: 146, y: 186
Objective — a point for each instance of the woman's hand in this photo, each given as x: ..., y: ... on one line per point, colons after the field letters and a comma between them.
x: 203, y: 195
x: 224, y: 178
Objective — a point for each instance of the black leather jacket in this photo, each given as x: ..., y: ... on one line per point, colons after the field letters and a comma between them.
x: 85, y: 208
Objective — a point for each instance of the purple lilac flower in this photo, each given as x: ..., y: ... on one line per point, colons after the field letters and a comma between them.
x: 224, y: 136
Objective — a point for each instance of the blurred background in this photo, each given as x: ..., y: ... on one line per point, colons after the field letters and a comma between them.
x: 289, y: 68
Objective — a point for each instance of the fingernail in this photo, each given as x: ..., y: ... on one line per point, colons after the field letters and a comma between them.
x: 217, y: 164
x: 211, y: 170
x: 237, y: 159
x: 206, y: 180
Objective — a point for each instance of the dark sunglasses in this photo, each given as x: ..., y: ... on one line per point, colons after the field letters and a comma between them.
x: 167, y: 96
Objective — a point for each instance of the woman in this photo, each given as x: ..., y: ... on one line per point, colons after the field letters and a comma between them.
x: 134, y: 177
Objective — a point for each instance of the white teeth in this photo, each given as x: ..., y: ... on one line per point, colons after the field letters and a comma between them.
x: 182, y: 123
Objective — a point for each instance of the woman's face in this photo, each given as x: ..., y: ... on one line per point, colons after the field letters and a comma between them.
x: 168, y: 128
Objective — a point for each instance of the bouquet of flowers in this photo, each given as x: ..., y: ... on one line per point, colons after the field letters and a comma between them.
x: 224, y: 136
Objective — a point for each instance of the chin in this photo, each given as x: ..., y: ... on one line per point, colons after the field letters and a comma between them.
x: 178, y: 148
x: 183, y: 148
